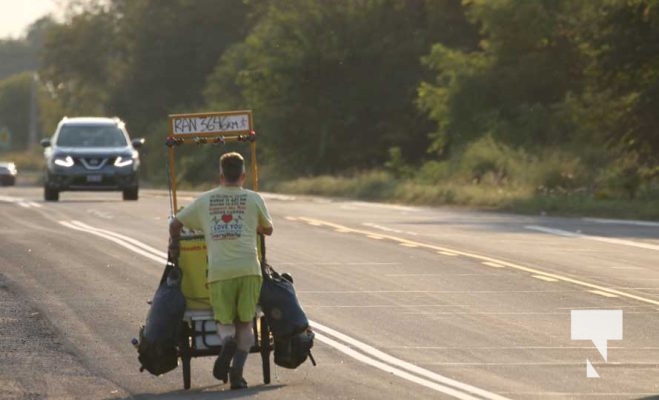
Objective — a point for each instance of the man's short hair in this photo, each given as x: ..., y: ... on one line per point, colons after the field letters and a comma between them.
x: 232, y: 165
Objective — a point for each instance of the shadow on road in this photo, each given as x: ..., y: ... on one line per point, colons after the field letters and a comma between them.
x: 207, y: 392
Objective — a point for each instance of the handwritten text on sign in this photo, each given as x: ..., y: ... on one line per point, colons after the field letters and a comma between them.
x: 190, y: 125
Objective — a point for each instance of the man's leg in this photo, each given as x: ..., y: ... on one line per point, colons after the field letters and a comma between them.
x: 227, y: 338
x: 248, y: 297
x: 244, y: 341
x: 221, y: 295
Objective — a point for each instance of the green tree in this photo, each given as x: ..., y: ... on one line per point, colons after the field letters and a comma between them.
x: 167, y: 49
x: 513, y: 86
x: 333, y: 84
x: 15, y: 107
x: 80, y: 61
x: 626, y: 68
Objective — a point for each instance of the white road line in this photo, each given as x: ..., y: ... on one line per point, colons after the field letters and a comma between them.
x: 432, y: 291
x: 395, y: 371
x: 621, y: 222
x: 100, y: 214
x: 553, y: 231
x: 120, y: 242
x: 623, y: 242
x: 342, y: 264
x: 444, y: 384
x: 123, y: 237
x: 545, y: 278
x: 493, y: 264
x: 28, y: 204
x: 383, y: 306
x: 601, y: 293
x: 9, y: 199
x: 20, y: 202
x: 389, y: 364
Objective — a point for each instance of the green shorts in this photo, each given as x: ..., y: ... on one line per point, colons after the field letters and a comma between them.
x: 234, y: 300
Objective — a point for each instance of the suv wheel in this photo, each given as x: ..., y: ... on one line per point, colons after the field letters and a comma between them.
x: 50, y: 194
x: 131, y: 194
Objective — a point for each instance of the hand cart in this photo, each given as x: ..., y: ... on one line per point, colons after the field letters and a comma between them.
x: 198, y: 336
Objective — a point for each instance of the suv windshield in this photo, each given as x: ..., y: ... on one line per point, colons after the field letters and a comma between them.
x: 90, y: 136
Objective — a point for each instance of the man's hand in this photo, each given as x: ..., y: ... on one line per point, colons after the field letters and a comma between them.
x: 264, y: 230
x: 174, y: 249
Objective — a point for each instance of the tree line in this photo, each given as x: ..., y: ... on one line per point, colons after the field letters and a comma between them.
x: 343, y: 86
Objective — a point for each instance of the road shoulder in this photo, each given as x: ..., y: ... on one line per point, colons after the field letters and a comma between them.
x: 35, y: 361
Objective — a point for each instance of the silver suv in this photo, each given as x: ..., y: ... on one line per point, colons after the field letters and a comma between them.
x: 91, y: 153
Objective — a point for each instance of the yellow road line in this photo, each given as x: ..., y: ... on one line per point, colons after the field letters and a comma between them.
x: 532, y: 271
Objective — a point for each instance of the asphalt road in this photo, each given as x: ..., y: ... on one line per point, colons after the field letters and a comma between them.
x: 406, y: 302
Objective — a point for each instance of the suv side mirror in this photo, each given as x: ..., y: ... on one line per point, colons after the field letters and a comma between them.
x: 137, y: 143
x: 45, y: 143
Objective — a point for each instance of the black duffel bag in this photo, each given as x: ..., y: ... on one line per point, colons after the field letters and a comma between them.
x: 157, y: 346
x: 280, y: 304
x: 292, y: 351
x: 293, y: 339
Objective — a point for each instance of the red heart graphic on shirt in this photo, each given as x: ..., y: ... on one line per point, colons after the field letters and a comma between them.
x: 227, y: 218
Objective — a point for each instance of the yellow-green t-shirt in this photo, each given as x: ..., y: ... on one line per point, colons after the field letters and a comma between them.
x: 228, y: 216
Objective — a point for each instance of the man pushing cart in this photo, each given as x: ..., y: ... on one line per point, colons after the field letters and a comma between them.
x: 217, y: 248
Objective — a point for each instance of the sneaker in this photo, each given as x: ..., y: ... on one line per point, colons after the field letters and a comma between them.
x: 238, y: 383
x: 221, y: 367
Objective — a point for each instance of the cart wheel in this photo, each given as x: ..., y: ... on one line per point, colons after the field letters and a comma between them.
x: 265, y: 349
x: 184, y: 353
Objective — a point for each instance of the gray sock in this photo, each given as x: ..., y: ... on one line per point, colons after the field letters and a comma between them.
x: 239, y: 359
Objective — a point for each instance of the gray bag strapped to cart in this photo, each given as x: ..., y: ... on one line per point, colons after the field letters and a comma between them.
x: 293, y: 339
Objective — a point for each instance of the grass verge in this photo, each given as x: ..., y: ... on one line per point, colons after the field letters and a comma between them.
x: 382, y: 186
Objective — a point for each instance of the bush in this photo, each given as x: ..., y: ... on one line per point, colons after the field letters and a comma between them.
x: 557, y: 172
x: 486, y: 161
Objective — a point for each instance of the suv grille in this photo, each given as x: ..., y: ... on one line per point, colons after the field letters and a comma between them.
x: 93, y: 163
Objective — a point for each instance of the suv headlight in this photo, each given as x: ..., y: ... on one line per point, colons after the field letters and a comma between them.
x: 63, y: 161
x: 123, y: 161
